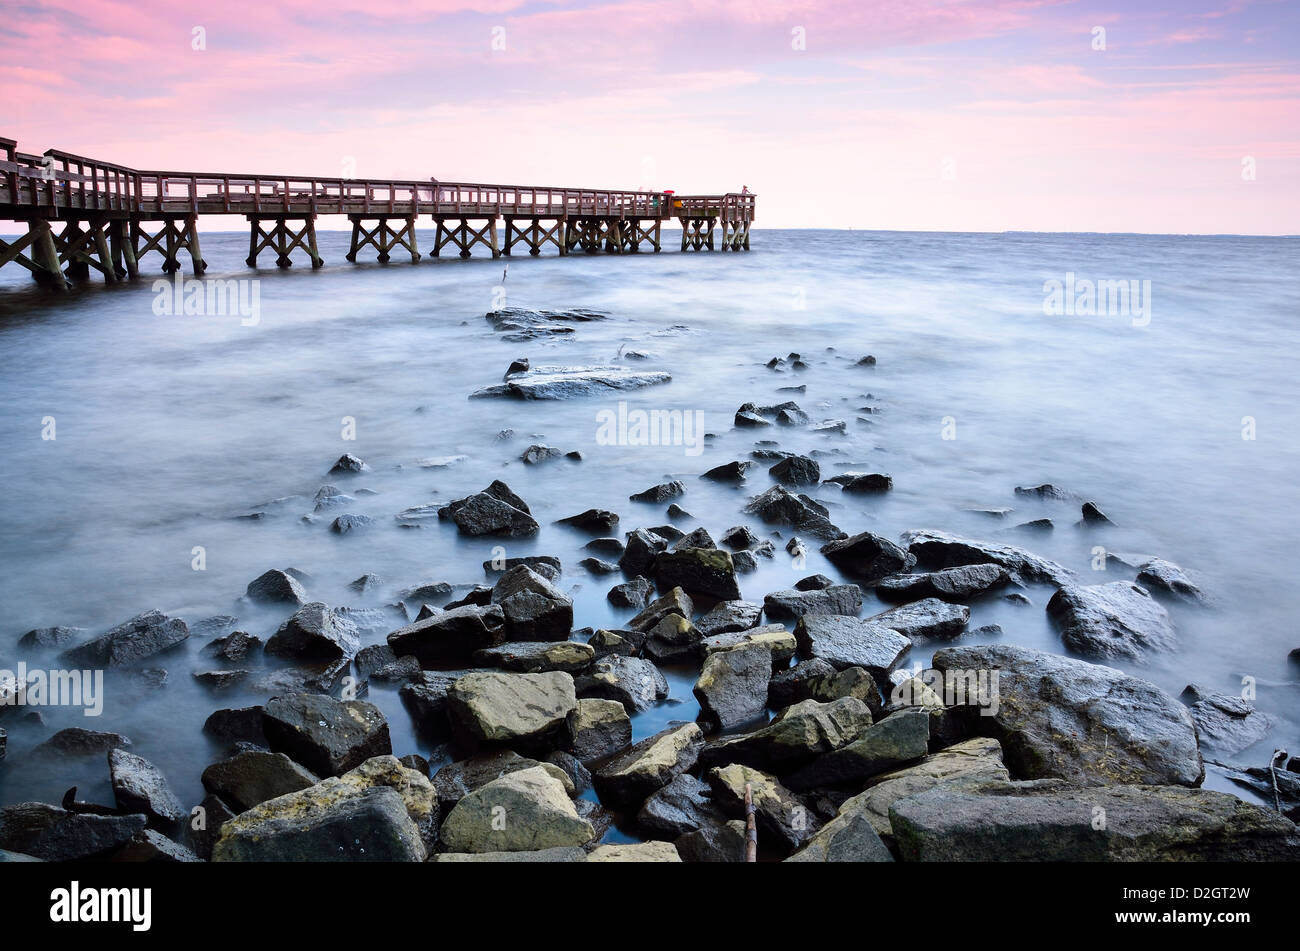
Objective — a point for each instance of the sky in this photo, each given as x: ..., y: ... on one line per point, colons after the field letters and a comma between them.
x: 1163, y: 116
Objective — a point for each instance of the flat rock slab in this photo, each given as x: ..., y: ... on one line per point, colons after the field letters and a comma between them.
x: 1053, y: 822
x: 55, y: 835
x: 1058, y: 717
x: 250, y: 778
x: 143, y: 636
x: 1115, y: 621
x: 507, y: 708
x: 325, y: 735
x: 851, y: 642
x: 563, y: 382
x: 532, y: 657
x: 845, y: 599
x: 950, y: 584
x: 937, y: 550
x: 929, y: 618
x: 451, y: 637
x: 631, y: 776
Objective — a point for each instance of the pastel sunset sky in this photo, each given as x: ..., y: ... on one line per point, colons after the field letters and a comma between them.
x: 965, y: 115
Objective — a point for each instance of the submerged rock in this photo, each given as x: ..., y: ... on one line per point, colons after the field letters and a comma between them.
x: 660, y: 493
x: 800, y: 512
x: 730, y: 471
x: 1160, y: 575
x: 519, y: 324
x: 1068, y: 719
x: 950, y: 584
x: 561, y: 382
x: 1225, y: 723
x: 936, y: 550
x: 143, y: 636
x: 867, y: 556
x: 1115, y: 620
x: 315, y: 632
x: 862, y: 483
x: 494, y: 511
x: 348, y: 463
x: 599, y: 521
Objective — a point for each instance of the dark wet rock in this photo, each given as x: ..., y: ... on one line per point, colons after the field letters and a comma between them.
x: 748, y: 419
x: 540, y: 816
x: 348, y: 463
x: 797, y: 735
x: 678, y: 808
x: 573, y: 768
x: 234, y: 647
x: 937, y: 550
x: 862, y: 483
x: 1036, y: 525
x: 152, y: 846
x: 662, y: 492
x: 799, y: 512
x: 950, y: 584
x: 206, y: 822
x: 450, y: 637
x: 562, y: 383
x: 254, y: 776
x: 597, y: 728
x: 143, y: 636
x: 1224, y: 723
x: 831, y: 426
x: 730, y: 471
x: 49, y: 638
x: 674, y: 639
x: 818, y: 680
x: 867, y: 361
x: 539, y: 453
x: 851, y: 642
x: 739, y: 537
x: 534, y: 608
x: 495, y: 708
x: 697, y: 538
x: 276, y: 587
x: 632, y: 594
x: 455, y: 781
x: 707, y: 572
x: 517, y: 366
x: 219, y: 679
x: 367, y: 582
x: 345, y: 524
x: 1061, y: 718
x: 612, y: 547
x: 1164, y: 576
x: 1118, y: 620
x: 796, y: 470
x: 598, y: 567
x: 592, y: 520
x: 139, y: 787
x: 639, y: 555
x: 532, y: 657
x: 519, y: 324
x: 897, y: 739
x: 1093, y: 515
x: 781, y: 817
x: 812, y: 582
x: 52, y: 834
x: 1045, y: 491
x: 623, y: 642
x: 379, y: 811
x: 867, y: 556
x: 714, y: 842
x: 426, y: 699
x: 728, y: 616
x: 76, y: 741
x: 432, y: 593
x: 315, y: 632
x: 846, y: 838
x: 1041, y: 822
x: 494, y: 511
x: 632, y: 681
x: 377, y: 657
x: 676, y: 511
x: 633, y: 775
x: 793, y: 684
x: 732, y: 687
x: 793, y: 603
x: 244, y: 723
x: 327, y: 736
x: 676, y: 601
x: 929, y: 618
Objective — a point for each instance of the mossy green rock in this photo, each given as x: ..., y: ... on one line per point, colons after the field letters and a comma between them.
x: 503, y: 708
x: 524, y: 811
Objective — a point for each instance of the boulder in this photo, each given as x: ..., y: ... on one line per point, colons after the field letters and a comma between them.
x: 139, y: 787
x: 732, y: 687
x: 496, y: 708
x: 534, y: 608
x: 796, y: 735
x: 843, y: 599
x: 1051, y: 821
x: 1224, y: 723
x: 678, y: 808
x: 457, y: 780
x: 950, y: 584
x: 327, y: 736
x: 729, y: 471
x: 799, y: 512
x: 1111, y: 621
x: 671, y: 640
x: 523, y: 811
x: 1057, y: 717
x: 675, y: 601
x: 728, y: 616
x: 851, y: 642
x: 1156, y: 574
x: 632, y: 681
x: 143, y: 636
x: 348, y: 463
x: 450, y: 637
x: 636, y: 593
x: 937, y: 550
x: 846, y: 838
x: 494, y: 511
x: 639, y: 553
x: 867, y: 556
x: 252, y: 777
x: 276, y: 587
x: 862, y: 483
x: 532, y: 657
x: 779, y: 814
x: 897, y: 739
x: 930, y: 618
x: 707, y: 572
x: 379, y: 812
x: 597, y: 521
x: 796, y: 470
x: 52, y: 834
x: 243, y: 724
x: 630, y: 777
x: 315, y: 632
x: 663, y: 492
x: 597, y: 728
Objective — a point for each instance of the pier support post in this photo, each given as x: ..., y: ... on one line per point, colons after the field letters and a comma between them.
x: 36, y: 251
x: 464, y: 235
x: 282, y: 238
x: 79, y: 250
x: 697, y: 233
x: 382, y: 237
x: 178, y: 233
x: 536, y: 235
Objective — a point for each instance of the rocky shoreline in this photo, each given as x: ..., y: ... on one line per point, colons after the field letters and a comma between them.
x: 994, y: 752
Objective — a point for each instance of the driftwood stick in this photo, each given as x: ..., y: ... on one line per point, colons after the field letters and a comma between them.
x: 751, y: 828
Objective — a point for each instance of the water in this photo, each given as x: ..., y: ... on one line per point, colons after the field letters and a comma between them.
x: 168, y: 428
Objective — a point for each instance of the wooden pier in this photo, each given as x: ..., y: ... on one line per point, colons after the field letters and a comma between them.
x: 83, y: 215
